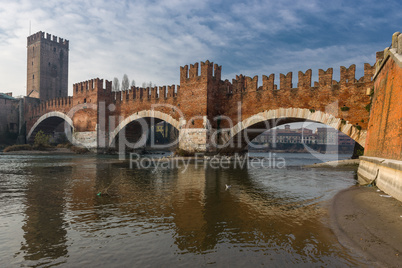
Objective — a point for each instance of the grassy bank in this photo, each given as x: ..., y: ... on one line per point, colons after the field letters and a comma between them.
x: 48, y: 148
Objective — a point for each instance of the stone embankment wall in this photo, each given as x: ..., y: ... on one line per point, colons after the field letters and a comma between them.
x: 382, y: 161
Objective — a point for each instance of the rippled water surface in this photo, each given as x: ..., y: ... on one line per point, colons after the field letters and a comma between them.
x: 51, y: 214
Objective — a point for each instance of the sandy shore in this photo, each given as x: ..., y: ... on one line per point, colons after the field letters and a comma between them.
x: 369, y: 222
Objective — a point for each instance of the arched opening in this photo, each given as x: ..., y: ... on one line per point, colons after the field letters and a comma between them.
x: 56, y: 124
x: 144, y: 133
x: 238, y: 137
x: 303, y: 137
x: 59, y: 128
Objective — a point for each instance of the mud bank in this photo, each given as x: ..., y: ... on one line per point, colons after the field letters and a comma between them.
x: 369, y: 222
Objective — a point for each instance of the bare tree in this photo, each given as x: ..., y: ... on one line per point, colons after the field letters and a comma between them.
x: 115, y: 84
x: 150, y: 84
x: 125, y: 83
x: 133, y: 83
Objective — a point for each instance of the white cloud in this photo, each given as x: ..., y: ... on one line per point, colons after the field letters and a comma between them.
x: 149, y: 40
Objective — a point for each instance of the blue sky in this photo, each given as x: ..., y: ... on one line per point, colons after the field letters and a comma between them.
x: 150, y: 40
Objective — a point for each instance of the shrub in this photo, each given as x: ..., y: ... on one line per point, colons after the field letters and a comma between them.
x: 41, y: 140
x: 345, y: 108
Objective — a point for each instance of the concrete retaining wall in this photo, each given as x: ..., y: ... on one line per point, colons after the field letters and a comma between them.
x: 385, y: 173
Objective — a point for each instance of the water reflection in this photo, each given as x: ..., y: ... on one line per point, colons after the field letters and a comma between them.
x: 173, y: 217
x: 44, y: 225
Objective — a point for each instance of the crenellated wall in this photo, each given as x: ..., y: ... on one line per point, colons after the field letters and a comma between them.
x: 41, y: 35
x: 194, y: 105
x: 345, y: 99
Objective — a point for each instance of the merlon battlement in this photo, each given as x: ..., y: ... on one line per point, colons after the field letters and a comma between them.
x: 41, y: 36
x: 44, y: 105
x: 209, y: 70
x: 90, y: 85
x: 148, y: 93
x: 347, y: 76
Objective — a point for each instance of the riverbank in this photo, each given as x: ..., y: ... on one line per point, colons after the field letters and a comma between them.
x: 369, y: 222
x: 338, y: 163
x: 41, y: 152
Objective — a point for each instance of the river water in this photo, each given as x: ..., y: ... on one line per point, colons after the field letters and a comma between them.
x: 96, y: 211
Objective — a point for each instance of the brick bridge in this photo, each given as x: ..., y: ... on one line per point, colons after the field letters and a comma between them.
x: 211, y: 114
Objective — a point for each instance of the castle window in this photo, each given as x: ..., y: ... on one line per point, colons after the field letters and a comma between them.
x: 54, y: 49
x: 85, y: 100
x: 33, y: 76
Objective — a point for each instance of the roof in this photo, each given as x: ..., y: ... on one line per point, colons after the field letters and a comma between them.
x: 5, y: 96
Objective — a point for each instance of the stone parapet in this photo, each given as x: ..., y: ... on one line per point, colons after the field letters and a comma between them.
x: 394, y: 52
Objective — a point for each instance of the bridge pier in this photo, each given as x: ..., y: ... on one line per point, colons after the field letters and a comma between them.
x: 194, y: 140
x: 204, y: 140
x: 87, y: 139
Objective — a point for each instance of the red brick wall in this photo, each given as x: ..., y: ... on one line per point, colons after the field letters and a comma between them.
x: 384, y: 137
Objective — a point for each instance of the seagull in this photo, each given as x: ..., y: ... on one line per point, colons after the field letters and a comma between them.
x: 227, y: 187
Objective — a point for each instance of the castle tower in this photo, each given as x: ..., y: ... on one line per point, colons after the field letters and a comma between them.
x: 47, y: 66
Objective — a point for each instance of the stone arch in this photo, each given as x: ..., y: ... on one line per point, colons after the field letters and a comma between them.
x: 299, y: 114
x: 46, y: 116
x: 139, y: 115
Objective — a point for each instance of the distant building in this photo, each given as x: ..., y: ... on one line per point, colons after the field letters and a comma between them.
x: 47, y: 66
x: 286, y: 136
x: 9, y: 117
